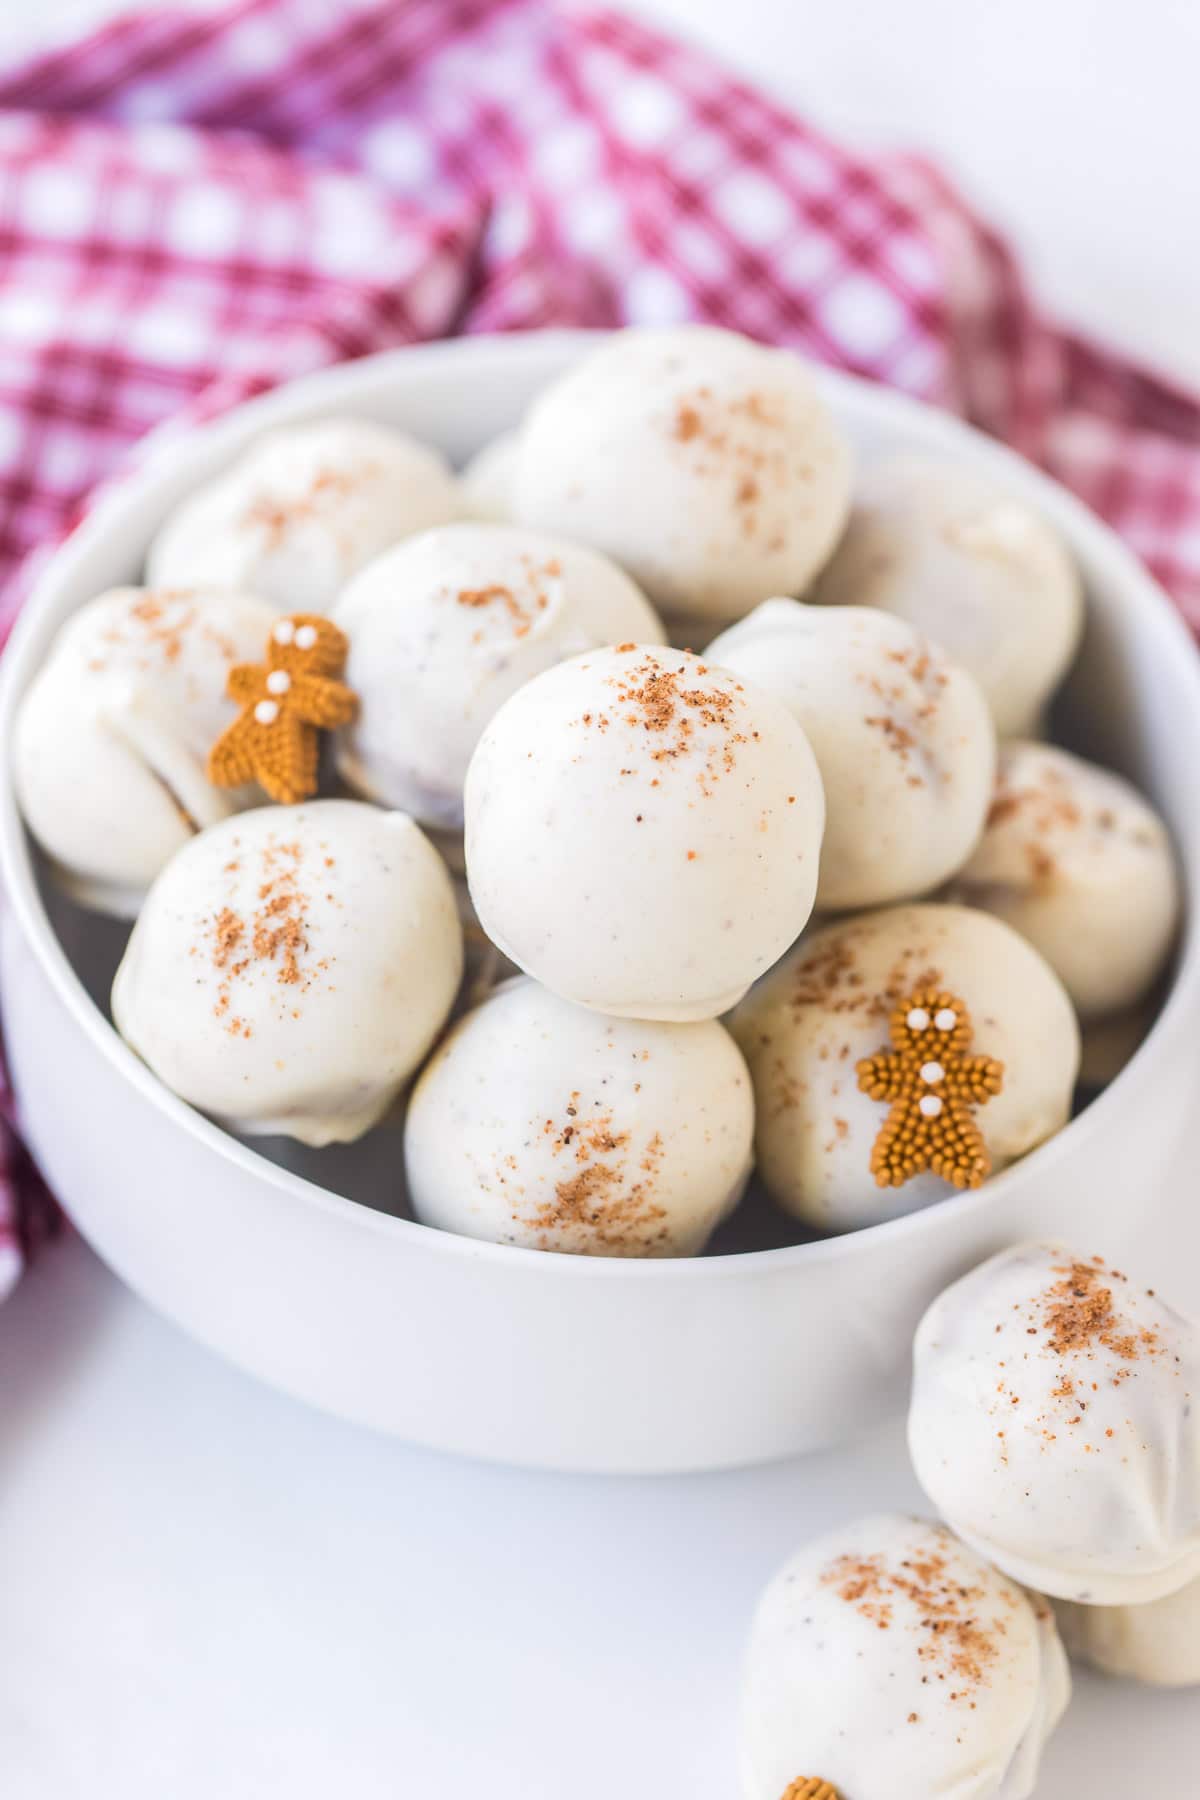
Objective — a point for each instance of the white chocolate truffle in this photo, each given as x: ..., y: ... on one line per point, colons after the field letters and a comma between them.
x: 887, y: 1659
x: 443, y: 629
x: 643, y: 832
x: 113, y: 735
x: 1054, y: 1424
x: 805, y: 1029
x: 972, y: 567
x: 291, y: 967
x: 302, y: 511
x: 704, y: 463
x: 1076, y: 861
x: 903, y: 739
x: 1158, y: 1643
x: 542, y: 1124
x: 486, y: 483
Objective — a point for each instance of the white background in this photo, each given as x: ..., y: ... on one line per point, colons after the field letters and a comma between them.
x: 206, y: 1590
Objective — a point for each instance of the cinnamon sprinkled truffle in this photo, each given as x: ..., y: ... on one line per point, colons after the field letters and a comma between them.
x: 903, y: 739
x: 1054, y: 1424
x: 892, y: 1658
x: 970, y: 566
x: 290, y: 968
x: 302, y: 510
x: 828, y: 1007
x: 643, y: 832
x: 705, y: 464
x: 113, y: 734
x: 443, y: 629
x: 1079, y: 863
x: 541, y: 1124
x: 1158, y: 1642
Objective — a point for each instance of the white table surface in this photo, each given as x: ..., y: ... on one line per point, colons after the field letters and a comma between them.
x: 207, y: 1590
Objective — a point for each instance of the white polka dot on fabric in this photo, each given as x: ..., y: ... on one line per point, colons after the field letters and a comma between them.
x: 350, y: 230
x: 205, y: 220
x: 510, y: 228
x: 645, y: 110
x: 166, y: 149
x: 56, y: 202
x: 862, y: 315
x: 810, y: 257
x: 655, y: 298
x: 695, y: 247
x: 567, y: 155
x: 254, y: 46
x: 593, y: 219
x: 754, y: 207
x: 168, y: 335
x: 266, y: 712
x: 29, y: 318
x: 66, y: 462
x: 398, y: 153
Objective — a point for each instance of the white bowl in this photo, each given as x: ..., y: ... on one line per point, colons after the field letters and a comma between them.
x: 563, y: 1362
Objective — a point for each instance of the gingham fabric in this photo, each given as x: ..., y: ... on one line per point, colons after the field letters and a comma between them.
x: 196, y: 204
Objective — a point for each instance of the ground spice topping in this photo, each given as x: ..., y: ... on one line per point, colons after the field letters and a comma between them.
x: 1079, y: 1315
x: 924, y: 1594
x: 545, y: 583
x: 933, y: 1086
x: 275, y: 516
x: 608, y: 1203
x: 680, y: 711
x: 270, y: 940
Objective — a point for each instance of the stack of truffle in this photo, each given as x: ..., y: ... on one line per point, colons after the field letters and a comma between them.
x: 645, y: 831
x: 1054, y: 1427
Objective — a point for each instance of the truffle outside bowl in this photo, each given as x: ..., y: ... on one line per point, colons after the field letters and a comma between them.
x: 554, y: 1361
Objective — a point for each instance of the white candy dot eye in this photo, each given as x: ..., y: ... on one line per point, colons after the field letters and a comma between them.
x: 306, y: 637
x: 266, y: 712
x: 278, y: 681
x: 946, y: 1019
x: 917, y: 1019
x: 930, y: 1105
x: 284, y: 632
x: 931, y: 1072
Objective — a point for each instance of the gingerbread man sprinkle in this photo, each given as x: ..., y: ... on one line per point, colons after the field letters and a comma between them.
x: 810, y: 1787
x: 933, y: 1086
x: 285, y: 702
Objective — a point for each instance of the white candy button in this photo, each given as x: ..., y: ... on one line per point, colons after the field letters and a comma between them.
x: 266, y: 712
x: 284, y: 632
x: 917, y: 1019
x: 931, y: 1106
x: 278, y: 681
x: 946, y: 1020
x: 931, y: 1072
x: 306, y: 637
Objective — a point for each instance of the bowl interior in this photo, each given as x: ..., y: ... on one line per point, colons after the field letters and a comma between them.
x: 1131, y: 702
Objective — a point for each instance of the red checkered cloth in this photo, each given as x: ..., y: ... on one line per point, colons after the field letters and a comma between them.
x: 195, y: 205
